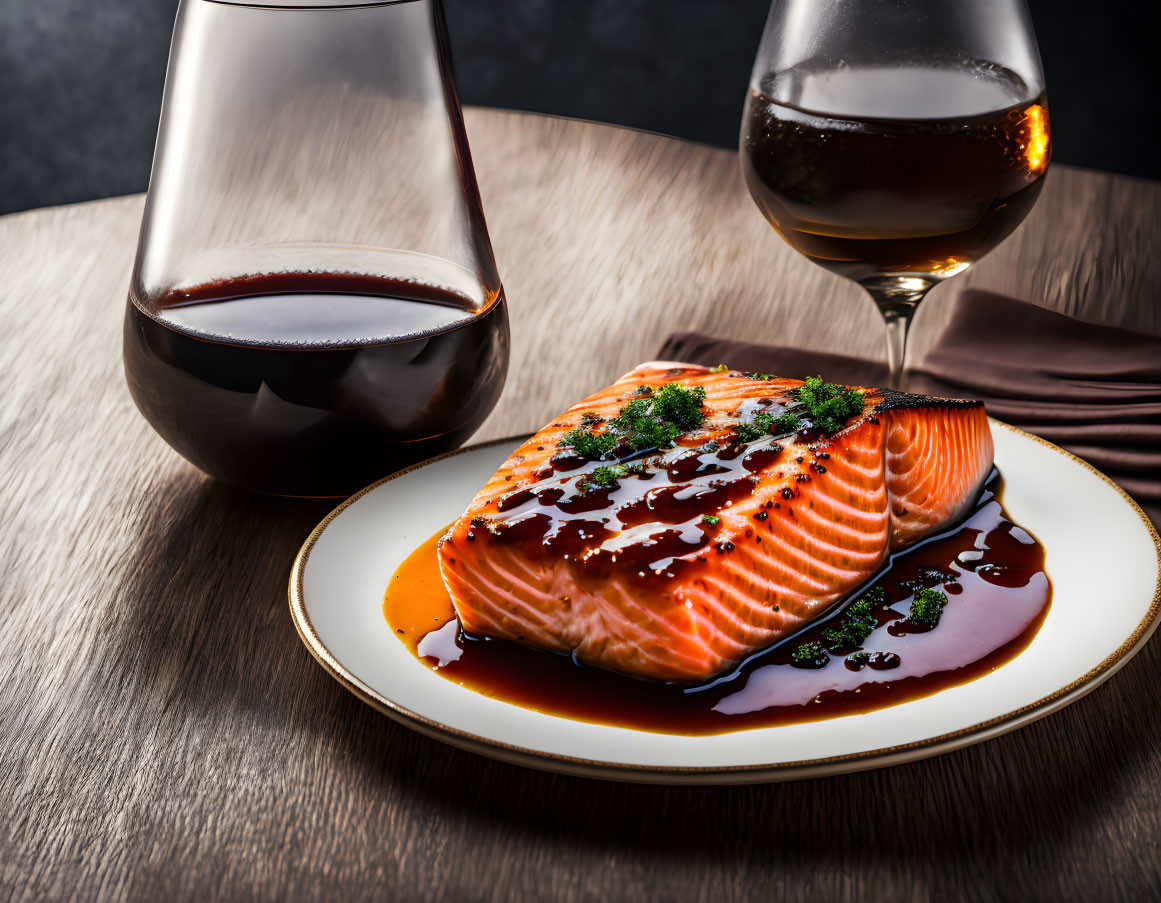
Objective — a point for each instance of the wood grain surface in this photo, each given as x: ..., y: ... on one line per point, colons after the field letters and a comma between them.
x: 165, y: 735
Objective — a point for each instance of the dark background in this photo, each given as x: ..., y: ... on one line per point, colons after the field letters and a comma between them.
x: 81, y: 80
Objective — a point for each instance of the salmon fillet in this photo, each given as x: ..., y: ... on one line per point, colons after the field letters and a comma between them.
x: 702, y: 553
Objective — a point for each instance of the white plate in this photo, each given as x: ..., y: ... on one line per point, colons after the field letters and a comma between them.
x: 1103, y: 556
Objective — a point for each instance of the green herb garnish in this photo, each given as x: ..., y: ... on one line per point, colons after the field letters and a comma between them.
x: 588, y: 444
x: 809, y: 655
x: 605, y: 476
x: 761, y: 424
x: 720, y: 368
x: 641, y: 429
x: 679, y: 405
x: 788, y: 423
x: 828, y: 405
x: 849, y: 634
x: 653, y: 419
x: 927, y: 606
x: 865, y: 606
x: 711, y: 519
x: 858, y: 622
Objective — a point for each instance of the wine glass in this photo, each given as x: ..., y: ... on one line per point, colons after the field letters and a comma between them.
x: 315, y: 302
x: 895, y: 142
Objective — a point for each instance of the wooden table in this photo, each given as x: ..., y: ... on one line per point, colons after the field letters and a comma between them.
x: 165, y: 735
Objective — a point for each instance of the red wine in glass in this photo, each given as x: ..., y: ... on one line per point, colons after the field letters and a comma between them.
x: 315, y: 301
x: 290, y: 384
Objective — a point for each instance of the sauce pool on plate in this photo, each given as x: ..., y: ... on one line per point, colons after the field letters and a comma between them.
x: 990, y: 570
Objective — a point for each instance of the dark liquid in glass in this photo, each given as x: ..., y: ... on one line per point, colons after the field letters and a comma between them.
x: 940, y: 165
x: 313, y: 384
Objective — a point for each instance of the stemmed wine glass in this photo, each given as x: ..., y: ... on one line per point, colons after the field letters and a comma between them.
x: 895, y: 142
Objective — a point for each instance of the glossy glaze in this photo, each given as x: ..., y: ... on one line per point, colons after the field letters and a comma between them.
x: 993, y: 574
x: 650, y: 516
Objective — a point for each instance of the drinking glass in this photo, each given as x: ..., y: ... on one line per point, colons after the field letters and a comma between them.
x: 315, y: 302
x: 895, y: 142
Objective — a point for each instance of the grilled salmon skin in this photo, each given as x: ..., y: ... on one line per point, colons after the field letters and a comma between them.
x: 674, y: 563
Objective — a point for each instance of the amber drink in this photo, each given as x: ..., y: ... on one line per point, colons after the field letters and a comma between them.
x: 938, y: 166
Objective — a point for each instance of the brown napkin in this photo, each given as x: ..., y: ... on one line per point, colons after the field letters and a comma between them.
x: 1094, y: 390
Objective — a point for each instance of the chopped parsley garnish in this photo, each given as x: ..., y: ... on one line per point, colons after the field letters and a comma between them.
x: 679, y: 405
x: 857, y: 624
x: 927, y: 606
x: 641, y: 429
x: 865, y: 605
x: 608, y: 477
x: 588, y: 444
x: 828, y: 405
x: 653, y: 419
x: 849, y: 634
x: 788, y: 423
x: 761, y: 424
x: 809, y: 655
x: 763, y: 420
x: 711, y: 519
x: 747, y: 432
x: 604, y: 476
x: 859, y: 658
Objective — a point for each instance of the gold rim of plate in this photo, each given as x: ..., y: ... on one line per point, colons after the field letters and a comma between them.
x: 726, y: 774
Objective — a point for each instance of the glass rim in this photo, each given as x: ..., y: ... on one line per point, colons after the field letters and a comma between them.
x: 308, y: 4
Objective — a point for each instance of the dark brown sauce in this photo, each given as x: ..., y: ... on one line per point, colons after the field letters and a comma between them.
x: 991, y: 570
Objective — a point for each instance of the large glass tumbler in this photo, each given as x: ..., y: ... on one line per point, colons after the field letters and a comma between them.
x: 315, y: 302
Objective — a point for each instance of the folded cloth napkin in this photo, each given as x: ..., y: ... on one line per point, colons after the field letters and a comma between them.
x: 1094, y: 390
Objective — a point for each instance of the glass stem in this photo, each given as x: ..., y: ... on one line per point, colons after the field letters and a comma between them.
x: 897, y: 300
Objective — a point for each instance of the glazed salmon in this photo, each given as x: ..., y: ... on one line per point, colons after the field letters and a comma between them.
x: 675, y: 562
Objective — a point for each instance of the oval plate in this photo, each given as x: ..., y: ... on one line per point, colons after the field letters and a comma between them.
x: 1081, y: 517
